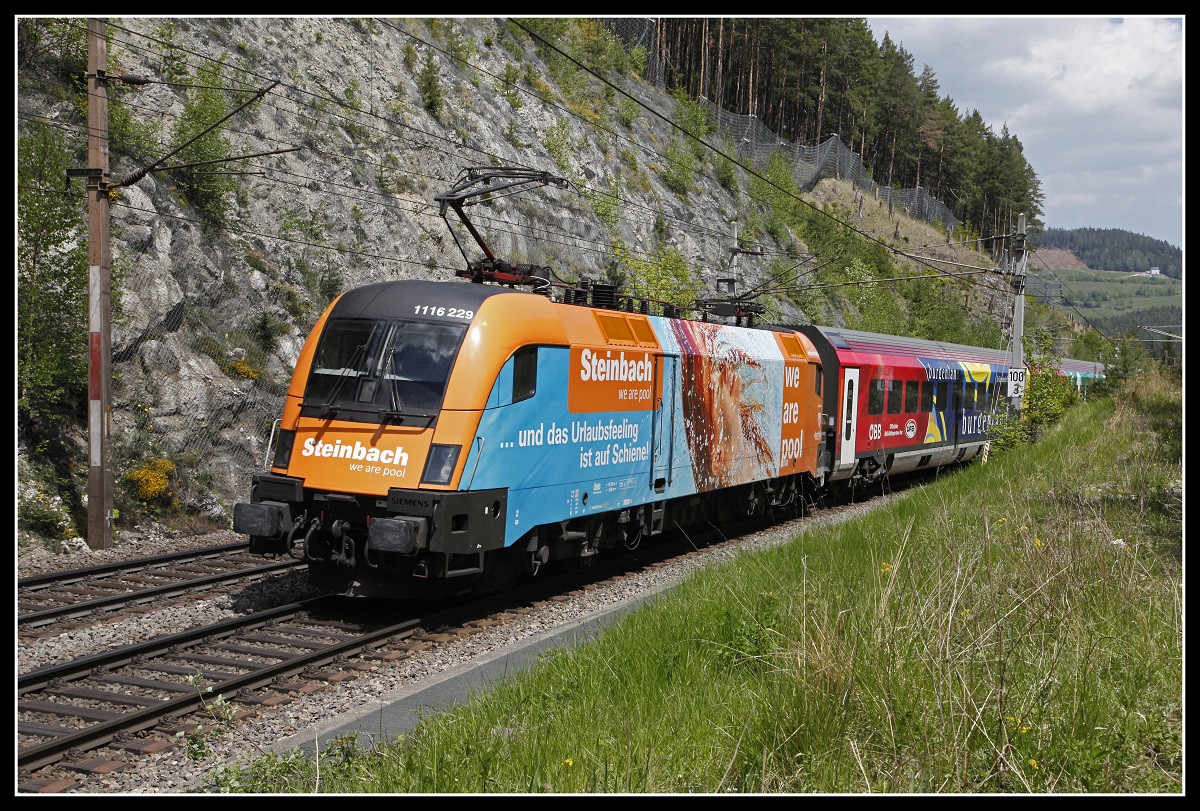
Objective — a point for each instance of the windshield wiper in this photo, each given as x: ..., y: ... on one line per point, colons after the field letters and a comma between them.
x: 386, y: 416
x: 327, y: 408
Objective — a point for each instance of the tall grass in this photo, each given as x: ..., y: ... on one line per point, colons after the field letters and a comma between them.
x: 1014, y: 627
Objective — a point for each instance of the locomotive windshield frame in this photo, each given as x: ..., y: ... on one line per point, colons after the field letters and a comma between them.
x: 373, y: 369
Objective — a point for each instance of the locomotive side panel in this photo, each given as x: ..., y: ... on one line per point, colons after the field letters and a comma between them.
x: 558, y: 461
x: 729, y: 404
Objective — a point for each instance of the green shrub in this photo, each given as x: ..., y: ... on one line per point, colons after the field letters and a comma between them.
x: 430, y: 86
x: 680, y: 169
x: 507, y: 84
x: 726, y: 175
x: 203, y: 186
x: 627, y: 111
x: 558, y: 143
x: 52, y: 284
x: 45, y: 516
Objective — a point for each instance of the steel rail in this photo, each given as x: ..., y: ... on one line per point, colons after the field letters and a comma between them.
x: 72, y: 575
x: 53, y: 750
x: 45, y: 615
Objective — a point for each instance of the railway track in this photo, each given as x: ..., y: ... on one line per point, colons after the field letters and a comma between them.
x: 133, y: 699
x: 98, y: 714
x: 49, y: 598
x: 101, y: 699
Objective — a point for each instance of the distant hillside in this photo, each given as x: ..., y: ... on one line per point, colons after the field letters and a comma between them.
x: 1114, y: 302
x: 1113, y: 249
x: 1055, y: 259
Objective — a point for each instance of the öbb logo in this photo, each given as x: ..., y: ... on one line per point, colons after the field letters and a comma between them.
x: 910, y: 429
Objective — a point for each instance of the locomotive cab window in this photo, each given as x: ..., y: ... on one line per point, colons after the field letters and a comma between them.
x: 524, y: 373
x: 377, y: 365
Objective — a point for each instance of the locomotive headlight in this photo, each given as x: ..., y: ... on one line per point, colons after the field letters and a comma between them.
x: 283, y: 451
x: 439, y: 467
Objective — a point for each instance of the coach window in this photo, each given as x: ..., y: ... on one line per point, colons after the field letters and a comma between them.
x: 524, y: 373
x: 927, y: 397
x: 912, y: 396
x: 941, y: 395
x: 895, y: 396
x: 877, y: 391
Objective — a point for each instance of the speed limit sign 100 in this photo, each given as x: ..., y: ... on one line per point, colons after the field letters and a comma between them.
x: 1016, y: 382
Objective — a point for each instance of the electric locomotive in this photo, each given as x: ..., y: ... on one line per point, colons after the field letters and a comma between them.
x: 445, y: 436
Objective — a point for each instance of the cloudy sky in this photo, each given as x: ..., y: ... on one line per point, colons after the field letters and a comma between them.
x: 1096, y: 102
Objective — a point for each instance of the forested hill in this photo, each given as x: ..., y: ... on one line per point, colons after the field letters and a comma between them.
x: 1115, y: 249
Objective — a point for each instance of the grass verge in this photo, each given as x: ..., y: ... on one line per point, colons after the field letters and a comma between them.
x: 1014, y: 627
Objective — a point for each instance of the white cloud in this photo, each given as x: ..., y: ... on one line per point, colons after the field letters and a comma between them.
x: 1097, y: 103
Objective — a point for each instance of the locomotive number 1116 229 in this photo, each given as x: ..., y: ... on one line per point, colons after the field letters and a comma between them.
x: 443, y: 312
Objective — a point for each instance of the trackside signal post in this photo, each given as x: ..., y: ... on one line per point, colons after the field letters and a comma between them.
x: 100, y: 480
x: 99, y: 183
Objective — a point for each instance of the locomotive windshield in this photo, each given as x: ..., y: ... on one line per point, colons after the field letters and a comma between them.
x: 388, y: 368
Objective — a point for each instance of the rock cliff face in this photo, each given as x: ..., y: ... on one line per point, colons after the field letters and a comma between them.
x: 369, y: 121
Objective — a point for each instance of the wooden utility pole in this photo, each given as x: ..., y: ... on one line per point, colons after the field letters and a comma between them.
x: 100, y: 480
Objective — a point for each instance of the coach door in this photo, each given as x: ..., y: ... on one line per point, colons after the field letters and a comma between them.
x: 849, y: 412
x: 956, y: 407
x: 662, y: 446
